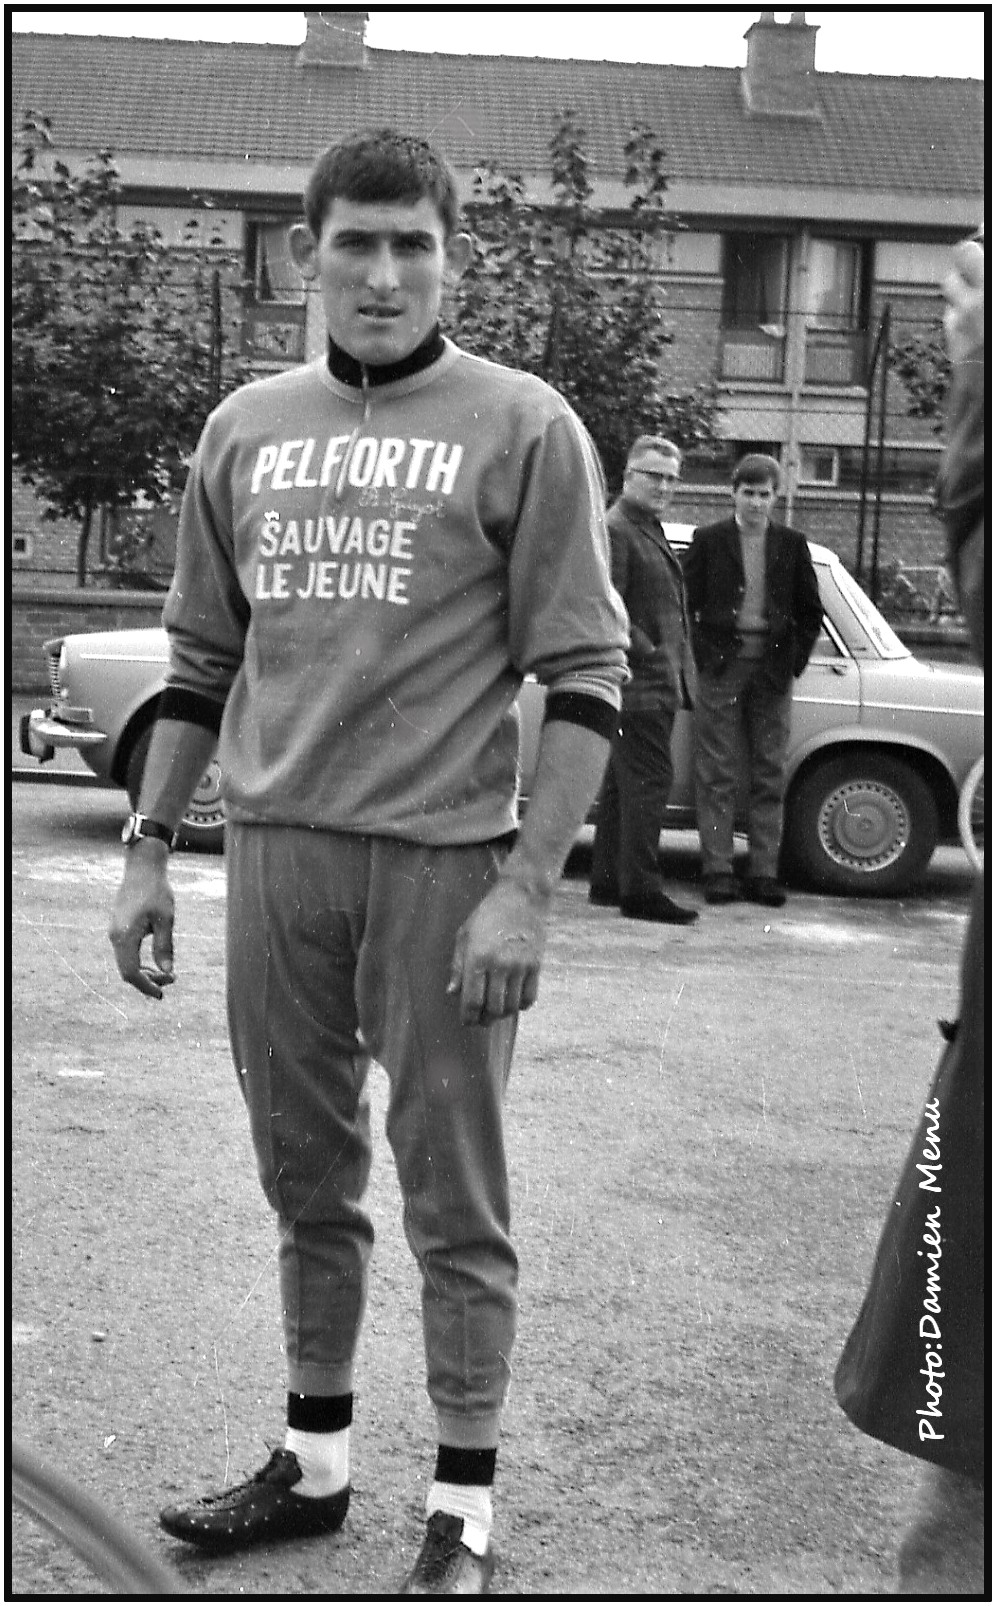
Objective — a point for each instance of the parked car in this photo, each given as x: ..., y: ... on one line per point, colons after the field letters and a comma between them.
x: 880, y: 745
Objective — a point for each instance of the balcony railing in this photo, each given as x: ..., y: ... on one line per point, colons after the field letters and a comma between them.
x: 752, y: 355
x: 836, y: 357
x: 274, y: 331
x: 755, y: 356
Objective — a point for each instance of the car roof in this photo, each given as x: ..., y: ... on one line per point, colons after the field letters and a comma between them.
x: 681, y: 535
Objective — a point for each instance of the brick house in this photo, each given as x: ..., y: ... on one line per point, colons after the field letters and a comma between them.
x: 807, y: 201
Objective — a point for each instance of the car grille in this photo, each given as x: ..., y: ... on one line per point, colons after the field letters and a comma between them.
x: 53, y: 670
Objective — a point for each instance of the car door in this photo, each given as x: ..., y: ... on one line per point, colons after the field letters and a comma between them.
x: 827, y: 695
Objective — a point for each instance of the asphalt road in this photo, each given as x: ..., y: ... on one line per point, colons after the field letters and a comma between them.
x: 704, y: 1126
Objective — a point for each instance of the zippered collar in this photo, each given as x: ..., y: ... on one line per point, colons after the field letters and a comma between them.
x: 348, y: 371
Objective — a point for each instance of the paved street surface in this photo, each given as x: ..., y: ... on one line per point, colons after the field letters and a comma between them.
x: 704, y: 1126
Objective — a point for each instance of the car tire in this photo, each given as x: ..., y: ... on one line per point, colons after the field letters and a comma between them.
x: 202, y: 829
x: 860, y: 823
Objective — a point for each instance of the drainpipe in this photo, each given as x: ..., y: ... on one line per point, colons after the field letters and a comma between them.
x: 795, y: 365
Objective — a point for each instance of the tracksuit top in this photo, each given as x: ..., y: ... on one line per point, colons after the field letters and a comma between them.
x: 364, y: 577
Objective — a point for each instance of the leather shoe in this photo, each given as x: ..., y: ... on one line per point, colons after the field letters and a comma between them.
x: 445, y: 1565
x: 659, y: 907
x: 604, y: 897
x: 721, y: 889
x: 763, y: 889
x: 263, y: 1508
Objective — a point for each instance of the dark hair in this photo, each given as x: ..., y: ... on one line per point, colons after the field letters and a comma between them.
x: 757, y: 468
x: 381, y: 165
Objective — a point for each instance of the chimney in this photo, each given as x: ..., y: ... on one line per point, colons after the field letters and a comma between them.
x: 779, y: 78
x: 334, y: 39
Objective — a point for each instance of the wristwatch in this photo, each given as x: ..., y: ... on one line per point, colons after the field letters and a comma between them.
x: 137, y: 827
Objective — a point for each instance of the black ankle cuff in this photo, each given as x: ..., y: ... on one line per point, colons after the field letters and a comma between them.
x: 465, y: 1466
x: 319, y: 1413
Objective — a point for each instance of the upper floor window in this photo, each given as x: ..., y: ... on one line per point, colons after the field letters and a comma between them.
x: 755, y: 282
x: 271, y: 268
x: 275, y: 314
x: 755, y: 294
x: 836, y: 296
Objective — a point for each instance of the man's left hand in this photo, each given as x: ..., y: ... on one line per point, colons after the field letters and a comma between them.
x: 498, y: 953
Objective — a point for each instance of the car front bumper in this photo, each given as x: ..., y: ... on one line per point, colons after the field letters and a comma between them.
x: 44, y: 730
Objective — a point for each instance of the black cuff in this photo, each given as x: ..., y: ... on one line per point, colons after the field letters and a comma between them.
x: 190, y: 708
x: 580, y: 708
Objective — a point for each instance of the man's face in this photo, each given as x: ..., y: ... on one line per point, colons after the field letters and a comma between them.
x: 753, y: 504
x: 380, y: 267
x: 650, y: 481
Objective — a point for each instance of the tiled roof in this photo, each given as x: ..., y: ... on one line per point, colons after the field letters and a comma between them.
x: 257, y: 103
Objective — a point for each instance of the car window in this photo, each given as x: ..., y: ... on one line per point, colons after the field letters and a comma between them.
x: 860, y: 623
x: 827, y: 646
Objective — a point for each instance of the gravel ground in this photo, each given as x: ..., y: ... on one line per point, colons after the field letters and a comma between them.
x: 704, y: 1126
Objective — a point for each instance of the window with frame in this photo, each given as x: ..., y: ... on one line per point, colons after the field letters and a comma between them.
x: 836, y: 309
x: 272, y: 271
x: 275, y: 314
x: 836, y: 285
x: 819, y: 465
x: 755, y: 282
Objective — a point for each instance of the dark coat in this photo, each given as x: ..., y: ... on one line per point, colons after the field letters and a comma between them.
x: 647, y: 574
x: 913, y: 1358
x: 715, y: 585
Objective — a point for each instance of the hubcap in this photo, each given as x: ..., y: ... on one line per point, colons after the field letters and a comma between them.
x: 206, y: 807
x: 864, y: 825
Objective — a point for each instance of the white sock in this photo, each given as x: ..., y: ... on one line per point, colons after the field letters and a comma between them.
x: 323, y: 1459
x: 472, y: 1502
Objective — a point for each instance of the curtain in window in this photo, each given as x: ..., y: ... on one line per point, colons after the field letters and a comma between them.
x: 754, y: 289
x: 277, y: 277
x: 832, y: 296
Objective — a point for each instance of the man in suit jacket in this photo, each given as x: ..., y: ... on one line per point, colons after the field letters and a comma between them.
x: 647, y: 575
x: 756, y: 613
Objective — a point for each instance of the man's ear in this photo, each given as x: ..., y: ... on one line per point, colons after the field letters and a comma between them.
x: 459, y: 250
x: 304, y: 249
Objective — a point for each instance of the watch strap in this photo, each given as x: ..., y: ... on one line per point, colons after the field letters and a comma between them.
x: 138, y: 826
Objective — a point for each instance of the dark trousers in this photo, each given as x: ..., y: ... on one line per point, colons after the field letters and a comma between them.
x: 742, y: 717
x: 632, y: 805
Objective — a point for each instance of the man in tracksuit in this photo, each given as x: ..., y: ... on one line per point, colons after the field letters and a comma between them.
x: 374, y: 549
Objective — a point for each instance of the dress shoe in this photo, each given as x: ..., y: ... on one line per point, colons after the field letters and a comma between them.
x: 721, y: 889
x: 262, y: 1509
x: 658, y: 907
x: 763, y: 889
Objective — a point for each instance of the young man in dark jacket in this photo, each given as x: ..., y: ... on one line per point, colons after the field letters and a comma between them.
x: 633, y: 800
x: 756, y: 613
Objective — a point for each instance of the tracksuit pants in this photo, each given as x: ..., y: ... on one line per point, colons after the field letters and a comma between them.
x: 742, y: 720
x: 338, y: 952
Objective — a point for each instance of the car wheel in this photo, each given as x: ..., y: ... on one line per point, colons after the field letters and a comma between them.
x: 861, y: 822
x: 203, y: 826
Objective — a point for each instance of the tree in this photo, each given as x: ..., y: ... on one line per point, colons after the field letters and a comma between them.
x: 925, y: 369
x: 565, y: 292
x: 121, y: 344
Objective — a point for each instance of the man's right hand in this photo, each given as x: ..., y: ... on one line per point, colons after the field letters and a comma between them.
x: 144, y: 907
